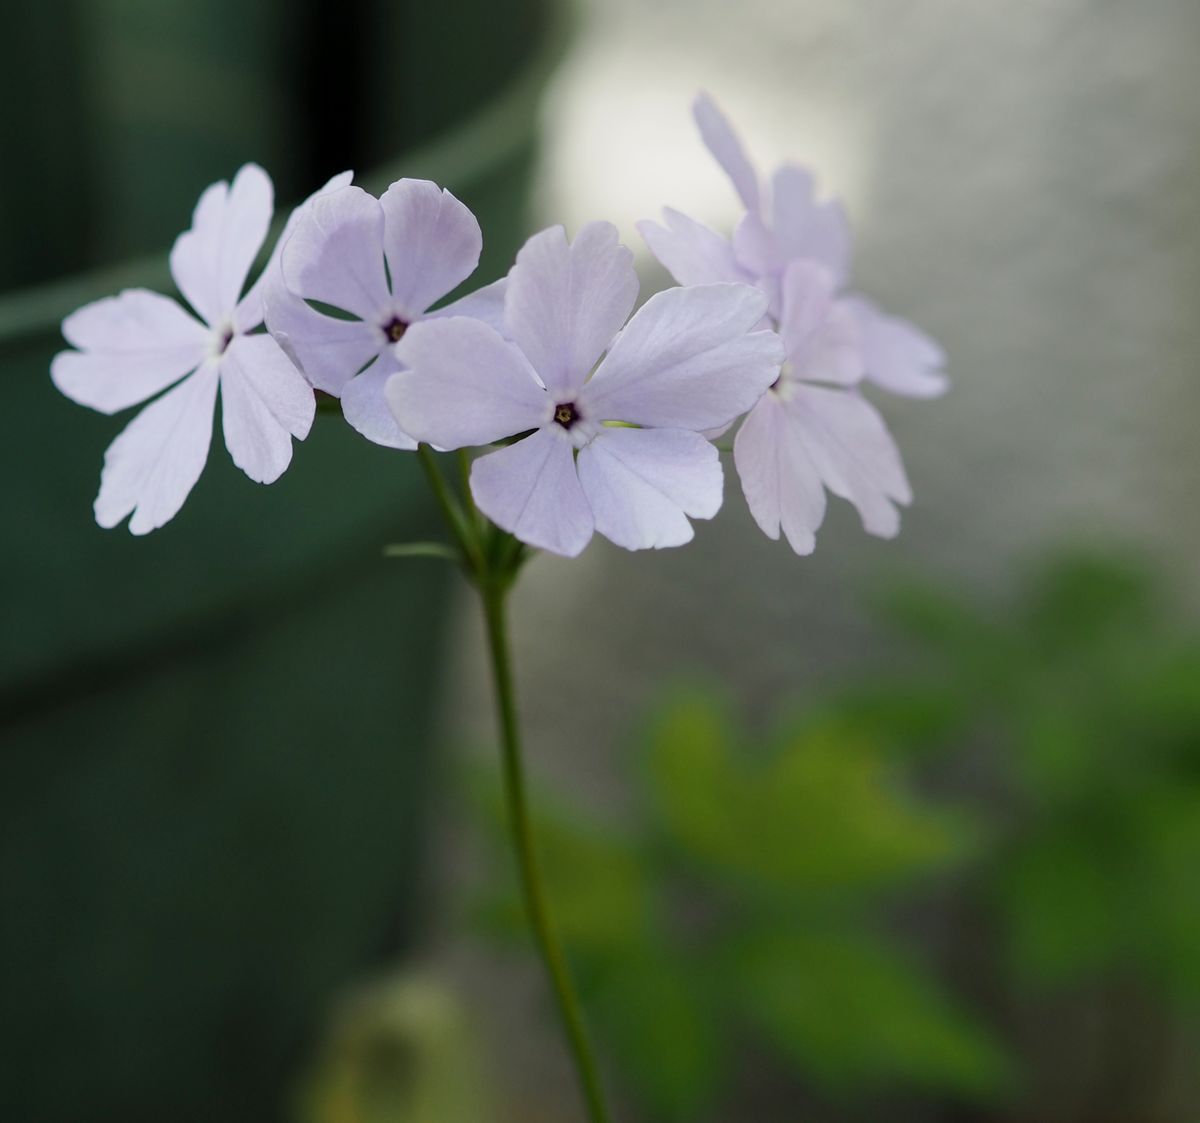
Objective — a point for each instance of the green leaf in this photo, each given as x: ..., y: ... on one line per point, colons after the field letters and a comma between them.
x: 1165, y: 901
x: 1075, y: 600
x: 1054, y: 758
x: 596, y: 879
x: 421, y: 550
x: 692, y: 782
x: 848, y: 1011
x: 940, y: 621
x: 823, y: 812
x: 662, y: 1035
x: 1067, y: 914
x: 1164, y: 699
x: 905, y: 714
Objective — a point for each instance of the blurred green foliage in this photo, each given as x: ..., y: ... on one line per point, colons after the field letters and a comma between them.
x: 1028, y: 782
x: 744, y: 902
x: 1085, y: 692
x: 1089, y: 686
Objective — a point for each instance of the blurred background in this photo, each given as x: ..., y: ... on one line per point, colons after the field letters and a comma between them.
x: 906, y: 829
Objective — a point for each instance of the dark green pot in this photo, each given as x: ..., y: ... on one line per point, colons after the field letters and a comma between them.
x: 214, y: 739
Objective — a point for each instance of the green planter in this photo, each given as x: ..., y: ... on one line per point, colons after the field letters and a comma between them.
x: 214, y: 759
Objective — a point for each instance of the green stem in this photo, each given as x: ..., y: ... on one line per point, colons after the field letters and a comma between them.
x: 494, y: 593
x: 463, y: 534
x: 464, y: 482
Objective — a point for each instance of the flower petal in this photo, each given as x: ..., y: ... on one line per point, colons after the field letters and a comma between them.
x: 691, y: 252
x: 365, y: 405
x: 854, y: 453
x: 328, y: 351
x: 898, y: 355
x: 210, y: 261
x: 131, y: 346
x: 807, y: 291
x: 565, y: 301
x: 486, y: 304
x: 432, y: 243
x: 335, y: 254
x: 465, y: 385
x: 532, y: 490
x: 834, y: 352
x: 799, y: 228
x: 723, y: 143
x: 156, y: 460
x: 265, y: 401
x: 820, y: 335
x: 685, y: 360
x: 803, y: 227
x: 642, y: 484
x: 781, y: 485
x: 250, y: 311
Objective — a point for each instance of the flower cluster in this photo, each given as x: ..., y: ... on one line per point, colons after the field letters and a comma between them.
x: 593, y: 417
x: 813, y: 429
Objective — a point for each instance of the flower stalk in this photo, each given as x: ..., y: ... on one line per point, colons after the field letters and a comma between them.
x: 494, y: 595
x: 491, y: 559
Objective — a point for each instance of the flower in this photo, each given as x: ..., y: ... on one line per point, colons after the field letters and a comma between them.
x: 804, y: 437
x: 812, y: 429
x: 684, y: 363
x: 132, y: 346
x: 381, y: 262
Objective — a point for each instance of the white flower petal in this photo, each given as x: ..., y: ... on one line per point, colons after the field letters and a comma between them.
x: 804, y: 228
x: 691, y: 252
x: 834, y: 353
x: 820, y: 335
x: 210, y: 261
x: 156, y: 460
x: 250, y: 311
x: 685, y: 360
x: 799, y: 229
x: 532, y: 490
x: 781, y: 485
x: 486, y: 304
x: 335, y: 254
x: 754, y: 247
x: 723, y: 143
x: 431, y: 240
x: 642, y: 484
x: 265, y: 401
x: 807, y: 296
x: 898, y: 355
x: 854, y: 453
x: 328, y: 351
x: 464, y: 385
x: 131, y: 346
x: 565, y: 302
x: 365, y: 405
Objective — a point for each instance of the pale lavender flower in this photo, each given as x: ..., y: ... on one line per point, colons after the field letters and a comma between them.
x: 684, y: 363
x: 812, y: 429
x: 804, y: 436
x: 137, y: 344
x: 785, y: 222
x: 380, y: 263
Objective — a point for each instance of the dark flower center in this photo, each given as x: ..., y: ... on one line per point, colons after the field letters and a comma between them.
x: 394, y: 329
x: 225, y: 341
x: 566, y: 414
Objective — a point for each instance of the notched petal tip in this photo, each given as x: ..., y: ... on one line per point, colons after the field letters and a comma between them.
x: 565, y: 301
x: 432, y: 243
